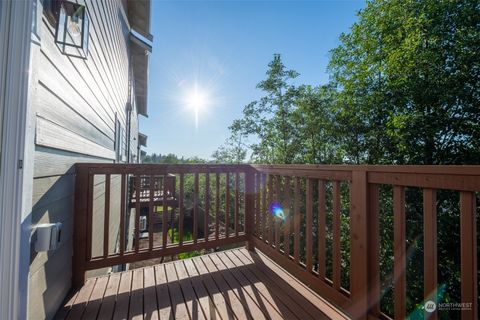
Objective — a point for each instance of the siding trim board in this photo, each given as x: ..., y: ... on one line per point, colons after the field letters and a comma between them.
x: 51, y: 162
x: 53, y: 135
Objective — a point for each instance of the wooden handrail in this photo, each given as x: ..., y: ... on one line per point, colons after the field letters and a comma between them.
x: 242, y: 196
x: 103, y: 188
x: 362, y: 297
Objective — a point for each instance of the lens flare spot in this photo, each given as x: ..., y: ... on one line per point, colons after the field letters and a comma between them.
x: 277, y: 210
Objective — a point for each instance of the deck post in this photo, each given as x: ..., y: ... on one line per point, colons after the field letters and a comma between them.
x: 249, y: 207
x: 79, y: 228
x: 358, y: 244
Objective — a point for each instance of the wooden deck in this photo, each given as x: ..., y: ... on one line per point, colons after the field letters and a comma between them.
x: 232, y: 284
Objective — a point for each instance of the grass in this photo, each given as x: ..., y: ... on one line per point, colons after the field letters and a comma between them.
x: 174, y: 237
x: 159, y: 209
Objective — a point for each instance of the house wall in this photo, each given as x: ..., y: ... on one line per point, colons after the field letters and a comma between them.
x: 76, y: 105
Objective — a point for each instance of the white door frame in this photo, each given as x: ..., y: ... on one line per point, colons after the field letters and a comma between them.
x: 15, y: 34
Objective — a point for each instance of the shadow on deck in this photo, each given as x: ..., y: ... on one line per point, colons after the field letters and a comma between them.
x: 232, y: 284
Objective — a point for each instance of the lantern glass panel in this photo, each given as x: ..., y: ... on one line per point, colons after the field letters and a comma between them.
x: 62, y: 21
x: 73, y: 30
x: 86, y: 26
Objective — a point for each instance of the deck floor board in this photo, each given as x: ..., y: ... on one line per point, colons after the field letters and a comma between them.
x: 281, y: 295
x: 164, y: 302
x: 239, y: 307
x: 285, y: 287
x: 150, y: 298
x: 108, y: 302
x: 179, y: 306
x: 276, y: 298
x: 123, y: 298
x: 231, y: 284
x: 193, y: 304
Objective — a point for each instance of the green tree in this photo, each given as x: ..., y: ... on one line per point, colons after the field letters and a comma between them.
x: 269, y: 120
x: 234, y: 150
x: 314, y: 120
x: 408, y: 80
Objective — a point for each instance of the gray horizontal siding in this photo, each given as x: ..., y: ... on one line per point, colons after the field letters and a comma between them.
x: 76, y: 103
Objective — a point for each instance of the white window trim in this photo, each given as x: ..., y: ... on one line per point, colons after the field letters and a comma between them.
x: 14, y: 179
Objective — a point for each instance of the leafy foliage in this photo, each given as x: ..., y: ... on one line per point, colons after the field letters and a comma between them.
x: 404, y: 89
x: 187, y: 236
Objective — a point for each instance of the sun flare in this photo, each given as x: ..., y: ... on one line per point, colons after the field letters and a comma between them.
x: 197, y: 99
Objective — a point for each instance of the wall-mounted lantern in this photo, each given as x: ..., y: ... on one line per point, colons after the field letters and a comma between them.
x: 72, y: 29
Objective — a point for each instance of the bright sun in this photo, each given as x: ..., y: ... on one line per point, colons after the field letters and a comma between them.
x: 197, y: 100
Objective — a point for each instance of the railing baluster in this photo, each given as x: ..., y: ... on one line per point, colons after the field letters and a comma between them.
x: 150, y: 212
x: 207, y: 206
x: 309, y: 225
x: 106, y: 219
x: 264, y: 207
x: 246, y: 192
x: 321, y: 229
x: 237, y: 190
x: 286, y: 226
x: 165, y: 211
x: 90, y: 215
x: 195, y: 209
x: 249, y: 199
x: 430, y: 248
x: 270, y: 214
x: 399, y: 252
x: 122, y: 214
x: 374, y: 249
x: 227, y: 204
x: 257, y: 204
x: 296, y: 222
x: 181, y: 209
x: 217, y: 203
x: 468, y: 256
x: 137, y: 213
x: 337, y: 273
x: 277, y: 219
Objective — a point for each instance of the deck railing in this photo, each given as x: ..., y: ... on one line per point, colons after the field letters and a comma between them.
x: 280, y: 210
x: 135, y: 190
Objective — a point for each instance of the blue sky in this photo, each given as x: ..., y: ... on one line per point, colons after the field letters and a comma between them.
x: 211, y: 54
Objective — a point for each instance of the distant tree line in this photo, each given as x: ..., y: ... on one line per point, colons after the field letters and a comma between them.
x: 170, y: 158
